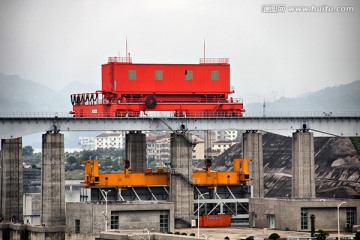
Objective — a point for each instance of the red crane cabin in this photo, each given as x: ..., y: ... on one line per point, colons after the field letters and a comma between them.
x: 192, y: 90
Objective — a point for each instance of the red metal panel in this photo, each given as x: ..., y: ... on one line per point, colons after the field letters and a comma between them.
x: 219, y: 220
x: 173, y: 78
x: 199, y: 97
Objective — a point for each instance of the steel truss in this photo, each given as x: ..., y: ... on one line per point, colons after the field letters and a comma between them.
x: 223, y: 199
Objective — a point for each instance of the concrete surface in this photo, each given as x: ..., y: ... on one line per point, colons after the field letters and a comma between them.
x: 11, y: 180
x: 303, y: 169
x: 253, y: 149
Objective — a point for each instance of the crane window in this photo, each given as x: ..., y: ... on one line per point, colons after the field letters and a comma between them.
x: 188, y: 75
x: 132, y: 74
x: 215, y: 75
x: 158, y: 75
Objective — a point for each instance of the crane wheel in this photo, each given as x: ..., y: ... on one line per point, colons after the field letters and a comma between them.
x: 150, y: 102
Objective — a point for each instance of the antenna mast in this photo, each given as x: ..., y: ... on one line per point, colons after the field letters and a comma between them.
x: 204, y: 49
x: 127, y: 55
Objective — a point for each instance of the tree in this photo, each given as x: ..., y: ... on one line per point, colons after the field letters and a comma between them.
x: 321, y: 235
x: 274, y: 236
x: 72, y: 160
x: 27, y: 151
x: 357, y: 236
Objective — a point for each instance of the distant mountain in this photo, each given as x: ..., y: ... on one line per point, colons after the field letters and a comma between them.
x: 331, y: 99
x: 337, y: 166
x: 19, y: 95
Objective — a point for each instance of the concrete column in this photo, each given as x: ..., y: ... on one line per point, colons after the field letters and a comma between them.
x: 11, y: 180
x: 181, y: 188
x: 135, y: 148
x: 53, y: 180
x: 253, y: 149
x: 303, y: 170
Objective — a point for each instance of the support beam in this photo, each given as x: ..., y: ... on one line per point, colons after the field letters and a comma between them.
x: 181, y: 189
x: 11, y: 180
x: 53, y: 180
x: 135, y: 147
x: 253, y: 149
x: 303, y: 170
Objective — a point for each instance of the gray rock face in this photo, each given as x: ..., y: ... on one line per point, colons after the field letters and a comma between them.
x: 337, y: 166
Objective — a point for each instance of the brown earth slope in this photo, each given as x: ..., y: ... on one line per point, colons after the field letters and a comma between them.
x: 337, y: 166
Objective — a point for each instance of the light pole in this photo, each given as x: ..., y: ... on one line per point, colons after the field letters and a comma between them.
x: 338, y: 218
x: 198, y: 210
x: 105, y: 193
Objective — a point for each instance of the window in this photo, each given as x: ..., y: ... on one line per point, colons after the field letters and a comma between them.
x: 77, y: 225
x: 114, y: 85
x: 164, y: 223
x: 132, y: 74
x: 114, y: 224
x: 158, y: 75
x: 350, y: 216
x: 188, y: 75
x: 304, y: 219
x: 215, y: 75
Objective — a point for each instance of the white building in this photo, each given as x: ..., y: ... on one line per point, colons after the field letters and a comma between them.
x: 158, y: 148
x: 222, y: 146
x: 228, y: 135
x: 114, y: 139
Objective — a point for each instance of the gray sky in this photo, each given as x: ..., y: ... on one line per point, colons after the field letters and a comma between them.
x: 271, y: 54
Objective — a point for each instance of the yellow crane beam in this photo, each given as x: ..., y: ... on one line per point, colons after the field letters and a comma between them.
x: 93, y: 178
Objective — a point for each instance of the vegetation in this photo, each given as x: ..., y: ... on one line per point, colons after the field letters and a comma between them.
x: 250, y: 238
x: 356, y: 142
x: 226, y: 238
x: 274, y: 236
x: 192, y: 234
x: 357, y: 236
x: 31, y: 158
x: 110, y: 160
x: 321, y: 234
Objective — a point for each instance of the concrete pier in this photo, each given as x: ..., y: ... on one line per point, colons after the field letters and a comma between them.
x: 303, y: 169
x: 11, y: 180
x: 253, y: 149
x: 181, y: 188
x: 135, y: 148
x: 53, y: 180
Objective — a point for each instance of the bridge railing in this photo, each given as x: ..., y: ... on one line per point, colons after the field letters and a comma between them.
x: 193, y: 115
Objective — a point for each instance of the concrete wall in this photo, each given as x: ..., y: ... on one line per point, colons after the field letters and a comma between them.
x: 303, y: 169
x: 131, y: 216
x: 30, y: 232
x: 81, y: 236
x: 153, y: 236
x: 53, y: 180
x: 253, y: 149
x: 287, y: 212
x: 11, y: 180
x: 181, y: 190
x: 135, y: 150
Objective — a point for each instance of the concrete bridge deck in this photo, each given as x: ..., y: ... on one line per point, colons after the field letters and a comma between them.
x: 337, y: 124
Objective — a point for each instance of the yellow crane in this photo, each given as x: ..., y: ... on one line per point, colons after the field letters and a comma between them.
x: 240, y: 175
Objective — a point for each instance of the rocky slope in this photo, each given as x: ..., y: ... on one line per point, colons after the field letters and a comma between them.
x: 337, y: 166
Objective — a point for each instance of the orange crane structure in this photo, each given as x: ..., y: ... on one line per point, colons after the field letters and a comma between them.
x: 240, y: 175
x: 226, y: 192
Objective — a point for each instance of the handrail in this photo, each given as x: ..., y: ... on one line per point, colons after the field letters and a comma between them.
x: 214, y: 60
x: 274, y: 114
x: 120, y: 59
